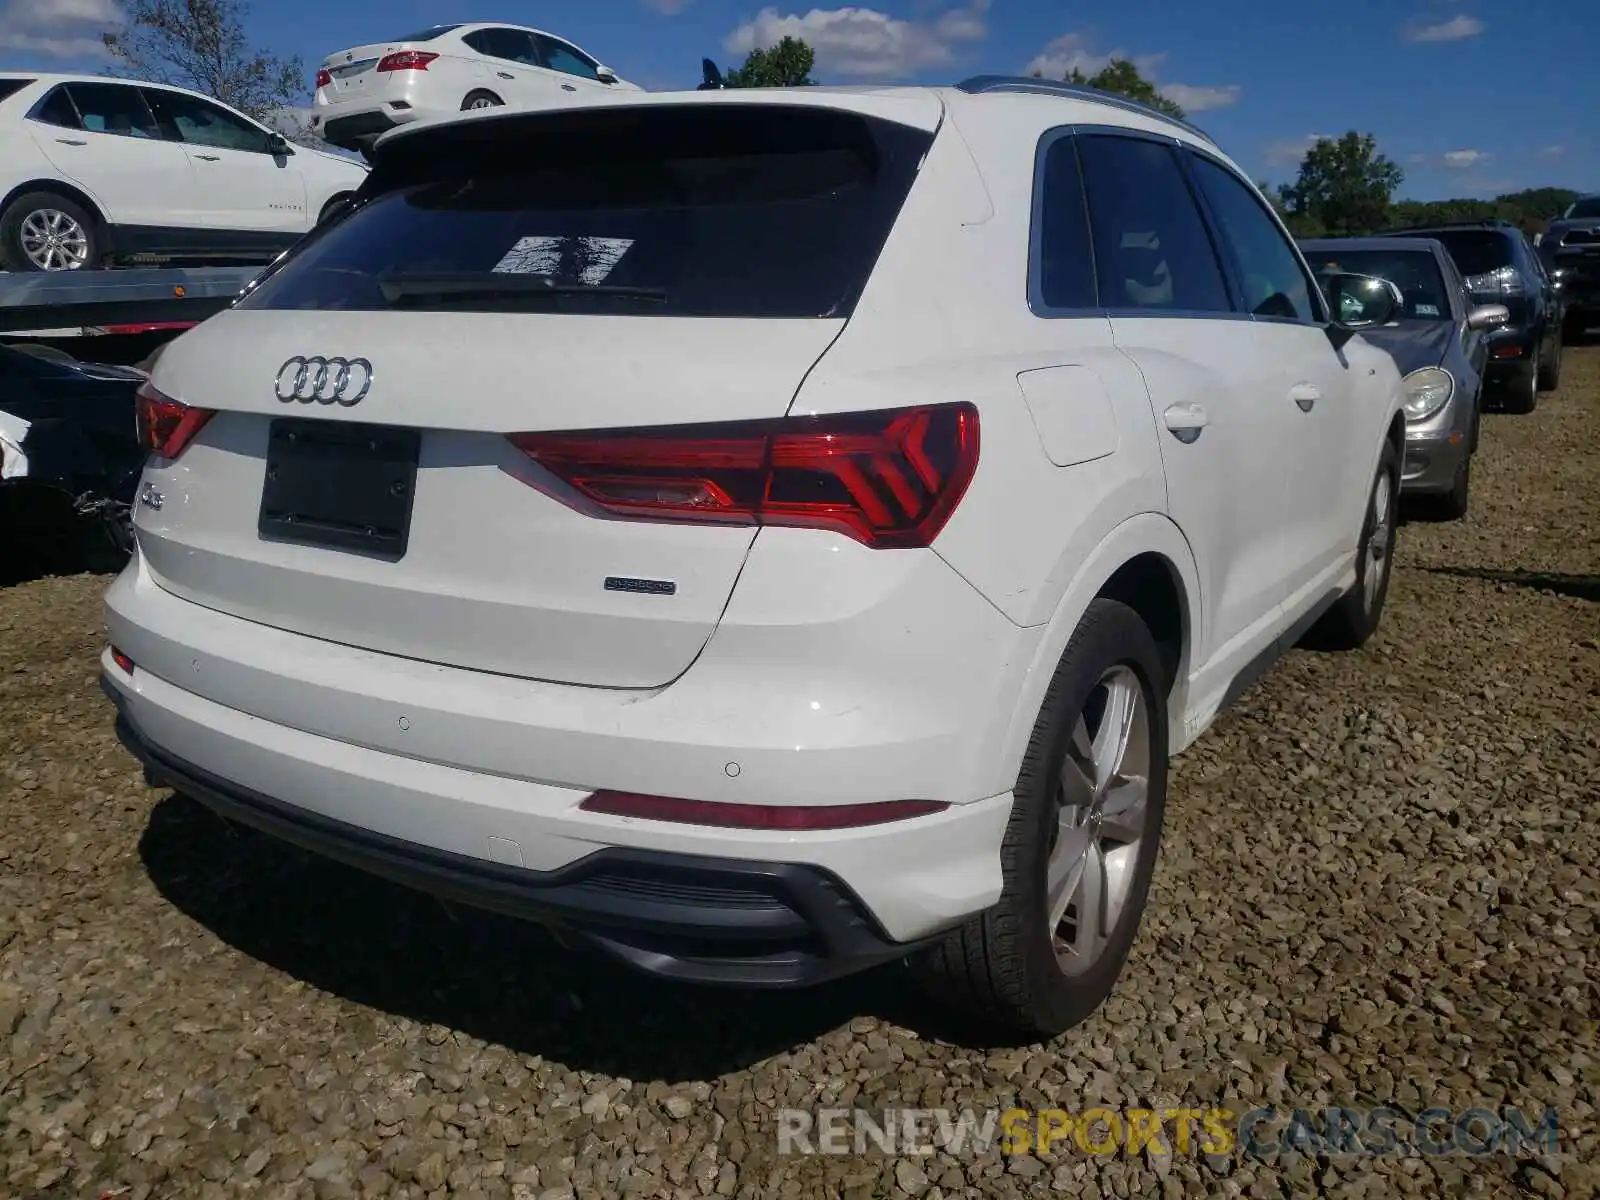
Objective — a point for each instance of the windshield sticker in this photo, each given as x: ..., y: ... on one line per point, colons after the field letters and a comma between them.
x: 569, y: 259
x: 1427, y: 310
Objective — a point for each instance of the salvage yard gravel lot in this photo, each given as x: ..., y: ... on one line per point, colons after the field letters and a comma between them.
x: 1380, y: 885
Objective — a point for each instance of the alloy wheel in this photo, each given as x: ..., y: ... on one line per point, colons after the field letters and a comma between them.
x: 1382, y: 516
x: 1103, y: 804
x: 53, y: 240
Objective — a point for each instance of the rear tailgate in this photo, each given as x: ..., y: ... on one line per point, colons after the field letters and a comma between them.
x: 474, y: 298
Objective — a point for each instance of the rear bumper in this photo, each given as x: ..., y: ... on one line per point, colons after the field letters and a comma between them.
x: 679, y: 916
x: 353, y: 129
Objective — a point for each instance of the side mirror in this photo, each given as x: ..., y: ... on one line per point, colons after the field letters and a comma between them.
x: 1488, y: 316
x: 1359, y: 302
x: 605, y: 74
x: 278, y: 145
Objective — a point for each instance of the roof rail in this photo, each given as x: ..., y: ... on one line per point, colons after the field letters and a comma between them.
x: 980, y: 84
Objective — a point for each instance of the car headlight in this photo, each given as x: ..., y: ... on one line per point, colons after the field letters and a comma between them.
x: 1427, y: 391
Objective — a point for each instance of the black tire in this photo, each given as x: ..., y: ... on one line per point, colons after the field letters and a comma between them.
x: 1522, y: 392
x: 481, y: 98
x: 1001, y: 965
x: 12, y: 254
x: 1354, y: 617
x: 1549, y: 377
x: 334, y: 206
x: 1452, y: 505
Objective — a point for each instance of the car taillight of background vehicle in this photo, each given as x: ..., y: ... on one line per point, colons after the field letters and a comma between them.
x: 888, y: 479
x: 406, y: 60
x: 324, y: 78
x: 166, y: 426
x: 1502, y: 281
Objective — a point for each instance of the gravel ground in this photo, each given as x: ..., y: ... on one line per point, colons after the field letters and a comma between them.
x: 1379, y: 886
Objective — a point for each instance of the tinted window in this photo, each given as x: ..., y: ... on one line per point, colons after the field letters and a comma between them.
x: 513, y: 45
x: 732, y: 210
x: 201, y: 123
x: 1271, y: 278
x: 113, y: 108
x: 1151, y: 248
x: 1475, y: 252
x: 1415, y: 272
x: 559, y: 56
x: 1585, y: 209
x: 1065, y: 260
x: 10, y: 87
x: 57, y: 110
x: 426, y: 35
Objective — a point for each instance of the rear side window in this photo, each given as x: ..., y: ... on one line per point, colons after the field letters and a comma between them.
x: 1270, y: 275
x: 1064, y: 259
x: 1151, y: 248
x: 10, y: 87
x: 1477, y: 253
x: 689, y: 210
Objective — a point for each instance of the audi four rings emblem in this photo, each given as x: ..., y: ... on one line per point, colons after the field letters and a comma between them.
x: 342, y: 381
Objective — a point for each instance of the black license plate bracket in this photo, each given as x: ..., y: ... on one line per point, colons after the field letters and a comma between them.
x: 340, y: 485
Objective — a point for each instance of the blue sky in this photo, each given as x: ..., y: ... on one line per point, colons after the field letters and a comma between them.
x: 1470, y: 98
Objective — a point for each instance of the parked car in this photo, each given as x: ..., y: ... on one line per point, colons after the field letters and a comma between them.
x: 1439, y: 341
x: 365, y: 91
x: 1570, y: 249
x: 69, y: 456
x: 96, y: 170
x: 1502, y: 267
x: 592, y: 524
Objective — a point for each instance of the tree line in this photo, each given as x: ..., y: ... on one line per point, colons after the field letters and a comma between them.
x: 1344, y: 185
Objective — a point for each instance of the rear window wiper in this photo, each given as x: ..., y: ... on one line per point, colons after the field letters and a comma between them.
x: 397, y: 288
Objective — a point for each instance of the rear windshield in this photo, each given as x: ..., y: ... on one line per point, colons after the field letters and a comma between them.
x: 10, y: 87
x: 1584, y: 209
x: 426, y: 35
x: 714, y: 210
x: 1476, y: 253
x: 1414, y: 272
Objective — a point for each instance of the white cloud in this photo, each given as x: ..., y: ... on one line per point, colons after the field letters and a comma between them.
x: 57, y: 28
x: 1461, y: 159
x: 1453, y: 30
x: 1073, y: 52
x: 1552, y: 151
x: 667, y: 8
x: 1291, y: 151
x: 1193, y: 98
x: 864, y: 42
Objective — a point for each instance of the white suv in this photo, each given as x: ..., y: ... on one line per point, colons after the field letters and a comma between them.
x: 760, y: 534
x: 367, y: 90
x: 95, y: 169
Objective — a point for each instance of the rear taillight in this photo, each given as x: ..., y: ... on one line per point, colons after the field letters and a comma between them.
x: 406, y: 60
x: 165, y: 425
x: 758, y: 816
x: 324, y: 78
x: 124, y: 663
x: 888, y: 479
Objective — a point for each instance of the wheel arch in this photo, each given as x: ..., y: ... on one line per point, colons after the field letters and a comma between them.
x: 1146, y: 563
x: 71, y: 192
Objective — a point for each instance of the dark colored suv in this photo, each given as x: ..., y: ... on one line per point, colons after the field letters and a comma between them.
x: 1570, y: 249
x: 1502, y: 267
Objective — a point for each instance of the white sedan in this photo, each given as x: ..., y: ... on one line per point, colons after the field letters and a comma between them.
x: 367, y: 90
x: 95, y: 170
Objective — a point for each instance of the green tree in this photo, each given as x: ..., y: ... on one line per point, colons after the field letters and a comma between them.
x: 1344, y: 187
x: 1122, y: 77
x: 201, y: 44
x: 788, y: 64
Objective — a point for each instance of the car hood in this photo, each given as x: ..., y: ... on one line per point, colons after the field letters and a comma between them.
x: 1414, y: 344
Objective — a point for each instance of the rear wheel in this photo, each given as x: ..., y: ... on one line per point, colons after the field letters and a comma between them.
x: 480, y: 99
x: 1081, y: 844
x: 1354, y: 617
x: 1549, y: 376
x: 42, y: 231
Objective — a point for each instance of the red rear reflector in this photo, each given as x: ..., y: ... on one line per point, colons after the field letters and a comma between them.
x: 166, y: 426
x: 122, y: 660
x: 406, y: 60
x: 1507, y: 352
x: 324, y: 78
x: 889, y: 479
x: 758, y: 816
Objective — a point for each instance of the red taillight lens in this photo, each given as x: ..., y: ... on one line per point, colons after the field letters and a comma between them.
x: 122, y: 661
x: 888, y: 479
x: 758, y: 816
x: 324, y: 78
x: 165, y: 425
x: 406, y: 60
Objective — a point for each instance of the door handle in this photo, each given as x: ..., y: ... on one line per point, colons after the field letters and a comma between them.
x: 505, y: 74
x: 73, y: 141
x: 1305, y: 395
x: 567, y: 87
x: 1185, y: 421
x: 210, y: 157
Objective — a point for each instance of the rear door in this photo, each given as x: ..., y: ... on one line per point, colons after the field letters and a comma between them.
x: 238, y: 183
x: 1312, y: 407
x: 1212, y: 388
x: 104, y: 137
x: 578, y: 270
